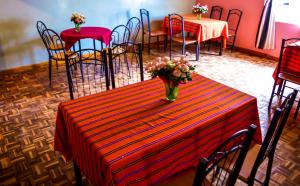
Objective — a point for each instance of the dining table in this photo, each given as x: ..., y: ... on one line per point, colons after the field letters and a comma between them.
x: 133, y: 136
x: 203, y: 29
x: 70, y: 36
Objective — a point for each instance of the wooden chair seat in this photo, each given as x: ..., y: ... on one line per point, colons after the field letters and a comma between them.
x: 156, y: 33
x: 187, y: 40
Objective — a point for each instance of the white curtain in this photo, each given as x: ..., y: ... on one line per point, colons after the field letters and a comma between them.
x: 265, y: 38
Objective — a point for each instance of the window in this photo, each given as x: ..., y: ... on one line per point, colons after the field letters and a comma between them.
x: 287, y: 11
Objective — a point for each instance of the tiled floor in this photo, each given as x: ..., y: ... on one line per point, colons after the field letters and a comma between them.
x: 28, y: 110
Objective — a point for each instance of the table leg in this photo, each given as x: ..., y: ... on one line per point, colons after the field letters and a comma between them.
x: 221, y: 46
x: 77, y: 174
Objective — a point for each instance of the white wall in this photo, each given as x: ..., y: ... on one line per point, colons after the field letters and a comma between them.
x: 21, y: 45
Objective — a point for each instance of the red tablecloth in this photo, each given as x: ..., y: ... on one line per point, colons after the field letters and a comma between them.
x: 130, y: 135
x: 290, y: 63
x: 203, y: 29
x: 70, y: 36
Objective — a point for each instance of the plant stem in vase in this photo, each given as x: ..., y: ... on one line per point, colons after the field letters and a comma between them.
x: 77, y: 27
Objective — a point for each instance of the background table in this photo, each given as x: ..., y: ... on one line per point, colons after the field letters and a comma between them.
x: 203, y: 29
x: 130, y: 135
x: 70, y: 36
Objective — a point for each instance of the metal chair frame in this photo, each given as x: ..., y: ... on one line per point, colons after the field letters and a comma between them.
x: 237, y: 145
x: 280, y: 76
x: 234, y: 29
x: 146, y: 30
x: 178, y: 19
x: 269, y: 144
x: 216, y: 10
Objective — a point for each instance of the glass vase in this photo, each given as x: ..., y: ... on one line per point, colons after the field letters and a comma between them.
x: 199, y: 16
x: 77, y: 27
x: 171, y: 89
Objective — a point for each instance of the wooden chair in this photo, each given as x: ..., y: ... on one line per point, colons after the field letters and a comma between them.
x: 150, y: 33
x: 55, y: 49
x: 288, y: 69
x: 52, y: 56
x: 233, y: 19
x: 208, y: 173
x: 177, y: 34
x: 258, y: 153
x: 216, y: 12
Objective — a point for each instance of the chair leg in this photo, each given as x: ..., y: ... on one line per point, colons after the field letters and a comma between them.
x: 143, y: 41
x: 78, y: 177
x: 269, y: 170
x: 170, y: 48
x: 50, y: 72
x: 297, y: 110
x: 165, y: 42
x: 272, y: 94
x: 197, y: 51
x: 221, y: 46
x: 157, y: 40
x: 149, y: 44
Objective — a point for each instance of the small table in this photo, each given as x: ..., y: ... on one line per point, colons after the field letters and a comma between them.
x: 70, y: 36
x: 132, y: 136
x: 204, y: 29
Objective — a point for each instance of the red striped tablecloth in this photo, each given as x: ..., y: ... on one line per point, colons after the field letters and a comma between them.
x: 131, y: 136
x: 290, y: 62
x: 203, y: 29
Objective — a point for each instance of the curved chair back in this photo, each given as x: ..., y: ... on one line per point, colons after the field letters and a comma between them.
x: 233, y: 149
x: 234, y: 18
x: 87, y: 73
x: 145, y: 19
x: 53, y: 44
x: 216, y: 12
x: 127, y: 67
x: 134, y: 25
x: 120, y: 34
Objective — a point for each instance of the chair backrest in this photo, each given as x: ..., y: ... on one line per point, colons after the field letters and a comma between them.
x: 120, y: 34
x: 289, y: 59
x: 233, y: 19
x: 53, y: 44
x: 176, y: 25
x: 233, y: 149
x: 145, y: 19
x: 134, y: 25
x: 126, y: 66
x: 87, y: 72
x: 216, y: 12
x: 40, y: 26
x: 275, y: 129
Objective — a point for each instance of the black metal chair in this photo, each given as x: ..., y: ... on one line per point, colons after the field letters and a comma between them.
x: 233, y: 19
x: 123, y: 69
x: 134, y: 25
x: 177, y: 34
x: 258, y: 153
x: 55, y: 48
x: 208, y: 171
x: 93, y: 74
x: 288, y: 69
x: 147, y: 31
x: 52, y: 56
x: 216, y: 12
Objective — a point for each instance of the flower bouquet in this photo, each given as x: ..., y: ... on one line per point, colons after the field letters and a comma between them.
x: 77, y: 19
x: 172, y: 72
x: 199, y: 10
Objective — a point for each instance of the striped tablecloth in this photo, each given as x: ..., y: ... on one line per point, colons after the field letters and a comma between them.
x: 203, y: 29
x: 132, y: 136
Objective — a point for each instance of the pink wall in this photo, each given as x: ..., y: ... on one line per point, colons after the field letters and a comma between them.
x: 249, y: 24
